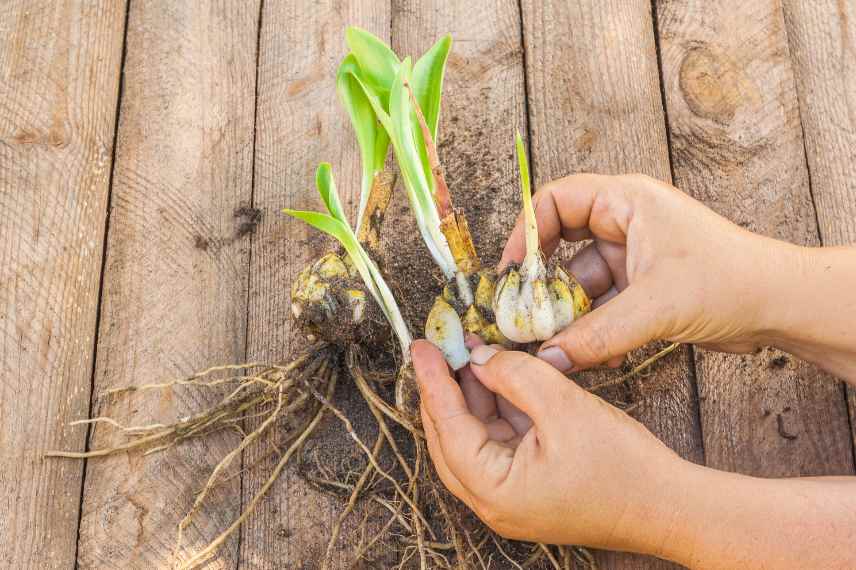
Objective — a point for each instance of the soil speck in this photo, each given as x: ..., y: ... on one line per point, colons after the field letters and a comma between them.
x: 248, y: 218
x: 200, y: 242
x: 780, y: 424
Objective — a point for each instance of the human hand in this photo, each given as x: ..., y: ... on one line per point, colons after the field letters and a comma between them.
x: 538, y: 458
x: 669, y: 267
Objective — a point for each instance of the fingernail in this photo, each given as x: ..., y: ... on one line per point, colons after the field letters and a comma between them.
x: 481, y: 354
x: 556, y: 357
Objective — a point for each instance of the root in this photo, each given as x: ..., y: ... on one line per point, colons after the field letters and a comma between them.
x: 212, y: 547
x: 273, y: 393
x: 374, y: 399
x: 352, y: 501
x: 322, y: 369
x: 349, y: 427
x: 584, y: 557
x: 636, y: 370
x: 550, y: 556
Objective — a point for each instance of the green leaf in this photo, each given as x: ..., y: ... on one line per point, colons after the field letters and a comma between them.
x: 408, y: 137
x: 378, y: 63
x: 373, y: 140
x: 400, y: 123
x: 531, y: 227
x: 327, y: 190
x: 337, y: 226
x: 428, y: 81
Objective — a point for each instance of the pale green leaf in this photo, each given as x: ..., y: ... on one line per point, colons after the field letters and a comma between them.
x: 428, y: 81
x: 327, y: 190
x: 377, y: 61
x: 526, y: 193
x: 372, y: 139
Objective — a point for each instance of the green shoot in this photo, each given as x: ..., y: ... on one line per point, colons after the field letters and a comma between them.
x: 532, y: 247
x: 372, y: 139
x: 335, y: 224
x: 383, y: 81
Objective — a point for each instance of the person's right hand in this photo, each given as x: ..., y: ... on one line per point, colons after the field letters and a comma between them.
x: 669, y: 267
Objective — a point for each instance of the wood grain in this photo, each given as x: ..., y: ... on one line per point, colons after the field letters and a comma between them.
x: 737, y: 146
x: 822, y: 40
x: 299, y: 124
x: 595, y: 106
x: 59, y: 79
x: 175, y: 280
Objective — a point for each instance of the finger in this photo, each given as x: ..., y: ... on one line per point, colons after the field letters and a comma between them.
x: 611, y: 293
x: 591, y: 270
x: 631, y: 319
x: 615, y: 257
x: 480, y: 400
x: 469, y: 453
x: 576, y: 207
x: 616, y: 361
x: 435, y: 451
x: 501, y: 430
x: 529, y: 384
x: 515, y: 417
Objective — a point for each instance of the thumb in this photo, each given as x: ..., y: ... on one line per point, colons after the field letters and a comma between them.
x: 624, y: 323
x: 529, y: 384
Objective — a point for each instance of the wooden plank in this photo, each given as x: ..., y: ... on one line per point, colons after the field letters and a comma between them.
x: 59, y: 81
x: 595, y: 106
x: 821, y: 37
x: 174, y: 292
x: 299, y: 124
x: 737, y: 146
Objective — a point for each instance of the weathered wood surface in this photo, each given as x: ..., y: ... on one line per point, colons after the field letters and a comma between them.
x: 59, y: 78
x: 175, y: 278
x: 737, y: 146
x: 299, y: 124
x: 759, y: 113
x: 822, y: 39
x: 595, y: 106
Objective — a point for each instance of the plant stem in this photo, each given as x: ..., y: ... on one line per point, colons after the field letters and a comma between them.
x: 532, y: 246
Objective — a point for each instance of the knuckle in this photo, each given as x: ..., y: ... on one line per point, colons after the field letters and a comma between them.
x: 590, y: 346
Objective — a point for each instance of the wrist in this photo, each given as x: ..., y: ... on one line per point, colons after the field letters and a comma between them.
x: 781, y: 295
x: 655, y: 521
x: 813, y: 308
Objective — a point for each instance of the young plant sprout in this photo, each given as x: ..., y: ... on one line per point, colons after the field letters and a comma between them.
x: 322, y: 290
x: 405, y: 101
x: 529, y: 305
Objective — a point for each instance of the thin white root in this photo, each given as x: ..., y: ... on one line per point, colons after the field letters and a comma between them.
x: 206, y: 553
x: 636, y: 370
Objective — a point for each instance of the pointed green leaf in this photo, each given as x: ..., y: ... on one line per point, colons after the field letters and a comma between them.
x: 428, y: 81
x: 373, y: 140
x: 531, y: 228
x: 327, y: 190
x: 378, y: 63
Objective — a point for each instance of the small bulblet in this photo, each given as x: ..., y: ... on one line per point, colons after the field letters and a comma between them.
x: 451, y: 317
x: 444, y: 330
x: 329, y: 301
x: 531, y: 306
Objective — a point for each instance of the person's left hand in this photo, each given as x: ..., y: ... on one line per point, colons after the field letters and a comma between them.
x: 537, y: 457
